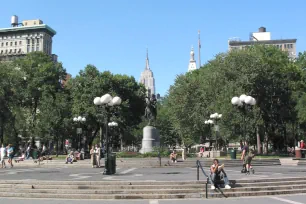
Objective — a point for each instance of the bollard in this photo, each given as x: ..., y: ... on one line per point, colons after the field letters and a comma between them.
x: 198, y: 172
x: 207, y: 187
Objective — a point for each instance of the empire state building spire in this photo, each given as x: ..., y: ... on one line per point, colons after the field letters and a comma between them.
x: 147, y: 60
x: 147, y: 78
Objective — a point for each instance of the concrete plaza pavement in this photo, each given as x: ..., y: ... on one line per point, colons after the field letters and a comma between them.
x: 141, y: 174
x: 291, y: 199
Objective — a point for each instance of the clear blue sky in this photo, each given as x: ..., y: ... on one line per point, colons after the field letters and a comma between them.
x: 113, y: 34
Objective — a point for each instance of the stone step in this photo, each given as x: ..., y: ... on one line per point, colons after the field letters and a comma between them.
x: 99, y: 187
x: 101, y: 196
x: 217, y: 194
x: 97, y: 191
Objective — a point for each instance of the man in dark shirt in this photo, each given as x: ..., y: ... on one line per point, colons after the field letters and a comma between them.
x: 245, y: 156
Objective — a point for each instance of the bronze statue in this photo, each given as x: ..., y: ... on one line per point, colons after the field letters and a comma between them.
x: 151, y: 109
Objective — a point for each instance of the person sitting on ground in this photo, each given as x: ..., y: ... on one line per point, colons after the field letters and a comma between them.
x: 20, y: 158
x: 173, y: 156
x: 218, y: 170
x: 70, y: 158
x: 201, y: 153
x: 302, y: 144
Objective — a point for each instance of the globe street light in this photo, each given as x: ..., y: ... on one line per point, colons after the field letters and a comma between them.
x: 243, y: 103
x: 79, y: 120
x: 210, y: 123
x: 216, y: 117
x: 106, y: 101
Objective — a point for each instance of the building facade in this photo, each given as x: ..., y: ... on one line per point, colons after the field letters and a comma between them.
x: 264, y: 37
x: 23, y: 38
x: 192, y: 63
x: 147, y: 78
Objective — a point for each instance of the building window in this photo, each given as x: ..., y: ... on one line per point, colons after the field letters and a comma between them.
x: 15, y: 50
x: 37, y: 48
x: 32, y: 49
x: 20, y: 42
x: 1, y: 51
x: 5, y: 51
x: 28, y: 41
x: 2, y: 44
x: 34, y: 22
x: 28, y: 48
x: 33, y: 41
x: 19, y: 51
x: 10, y: 50
x: 16, y: 43
x: 37, y: 40
x: 11, y: 43
x: 6, y: 43
x: 26, y: 23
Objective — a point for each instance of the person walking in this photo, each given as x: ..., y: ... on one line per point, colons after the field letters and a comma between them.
x: 2, y: 155
x: 98, y: 155
x: 10, y: 154
x: 92, y: 156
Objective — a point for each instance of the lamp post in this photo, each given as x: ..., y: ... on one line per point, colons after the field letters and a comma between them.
x: 210, y: 123
x: 216, y: 117
x: 79, y: 120
x: 243, y: 103
x: 106, y: 101
x: 112, y: 125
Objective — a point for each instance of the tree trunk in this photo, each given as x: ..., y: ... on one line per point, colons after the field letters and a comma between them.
x: 266, y: 141
x: 258, y: 141
x: 1, y: 130
x: 56, y: 138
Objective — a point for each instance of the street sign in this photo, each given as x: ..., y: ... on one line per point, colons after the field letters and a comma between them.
x: 216, y: 128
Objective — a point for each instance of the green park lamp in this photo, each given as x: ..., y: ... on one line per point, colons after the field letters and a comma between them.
x: 107, y: 101
x: 244, y: 103
x: 79, y: 120
x: 216, y: 117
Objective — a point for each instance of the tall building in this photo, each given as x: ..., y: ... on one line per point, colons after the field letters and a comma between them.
x: 25, y: 37
x: 192, y: 63
x: 264, y: 37
x: 147, y: 78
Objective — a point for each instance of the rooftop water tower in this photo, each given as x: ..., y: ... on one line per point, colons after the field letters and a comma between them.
x: 14, y: 21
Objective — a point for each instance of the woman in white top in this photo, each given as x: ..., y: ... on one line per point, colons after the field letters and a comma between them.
x: 98, y: 155
x: 2, y: 155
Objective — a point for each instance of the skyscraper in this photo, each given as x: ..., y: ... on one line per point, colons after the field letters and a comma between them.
x: 147, y: 78
x: 192, y: 63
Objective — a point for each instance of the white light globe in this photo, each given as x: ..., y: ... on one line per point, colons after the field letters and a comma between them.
x: 220, y: 116
x: 97, y: 101
x: 79, y: 118
x: 83, y: 119
x: 205, y: 122
x: 212, y: 116
x: 253, y: 102
x: 106, y: 98
x: 242, y: 97
x: 248, y: 100
x: 75, y: 119
x: 111, y: 103
x: 210, y: 121
x: 235, y: 100
x: 117, y: 100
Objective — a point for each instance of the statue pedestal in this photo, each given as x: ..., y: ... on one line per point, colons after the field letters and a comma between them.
x: 150, y: 139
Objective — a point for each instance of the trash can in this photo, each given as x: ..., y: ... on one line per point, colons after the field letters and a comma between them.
x: 233, y: 154
x: 298, y: 153
x: 112, y: 162
x: 34, y: 154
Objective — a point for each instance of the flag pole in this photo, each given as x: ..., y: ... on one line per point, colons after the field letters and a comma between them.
x: 199, y: 44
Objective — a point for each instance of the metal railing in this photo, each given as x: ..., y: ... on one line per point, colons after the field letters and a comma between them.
x: 199, y: 165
